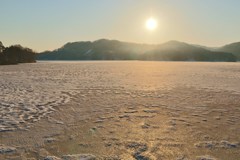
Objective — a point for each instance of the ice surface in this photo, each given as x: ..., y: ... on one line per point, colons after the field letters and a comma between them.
x: 32, y: 91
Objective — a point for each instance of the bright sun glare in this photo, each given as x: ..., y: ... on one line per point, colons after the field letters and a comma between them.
x: 151, y: 24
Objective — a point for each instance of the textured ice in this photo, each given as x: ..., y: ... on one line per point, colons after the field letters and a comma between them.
x: 32, y: 91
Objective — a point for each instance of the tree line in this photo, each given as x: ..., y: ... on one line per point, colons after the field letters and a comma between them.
x: 16, y: 54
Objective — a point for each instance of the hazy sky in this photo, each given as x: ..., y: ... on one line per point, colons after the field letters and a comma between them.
x: 48, y: 24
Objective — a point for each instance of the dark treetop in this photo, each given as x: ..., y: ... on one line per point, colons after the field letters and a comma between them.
x: 16, y: 54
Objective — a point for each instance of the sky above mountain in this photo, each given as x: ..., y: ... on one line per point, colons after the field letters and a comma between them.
x: 48, y: 24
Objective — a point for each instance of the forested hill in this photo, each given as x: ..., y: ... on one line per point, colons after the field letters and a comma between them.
x: 104, y: 49
x: 233, y: 48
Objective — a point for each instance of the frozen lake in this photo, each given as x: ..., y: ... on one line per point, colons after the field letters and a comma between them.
x: 31, y: 91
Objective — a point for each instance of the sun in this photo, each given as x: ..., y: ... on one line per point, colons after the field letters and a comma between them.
x: 151, y: 24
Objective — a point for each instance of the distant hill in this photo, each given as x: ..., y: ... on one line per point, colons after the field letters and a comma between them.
x: 180, y: 51
x: 16, y: 54
x: 98, y: 50
x: 206, y: 47
x: 233, y: 48
x: 104, y: 49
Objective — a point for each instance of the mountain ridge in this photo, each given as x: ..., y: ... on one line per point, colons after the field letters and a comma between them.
x: 104, y: 49
x: 233, y: 48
